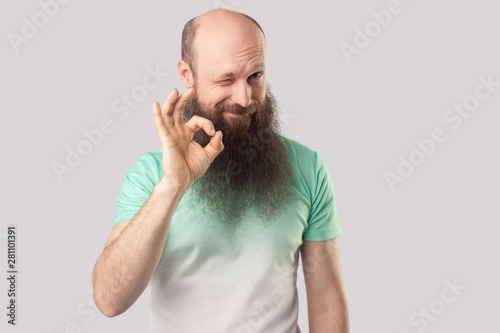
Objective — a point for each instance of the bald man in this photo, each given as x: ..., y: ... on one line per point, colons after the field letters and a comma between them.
x: 214, y: 221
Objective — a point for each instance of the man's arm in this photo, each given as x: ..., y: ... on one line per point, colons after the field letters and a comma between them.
x: 132, y: 252
x: 326, y: 300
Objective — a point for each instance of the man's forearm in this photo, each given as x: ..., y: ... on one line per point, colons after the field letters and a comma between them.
x: 331, y: 317
x: 125, y: 267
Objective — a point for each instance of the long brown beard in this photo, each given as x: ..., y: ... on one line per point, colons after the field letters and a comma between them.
x: 253, y: 170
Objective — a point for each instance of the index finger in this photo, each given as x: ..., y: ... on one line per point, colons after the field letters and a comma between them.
x: 181, y: 103
x: 168, y: 107
x: 161, y: 128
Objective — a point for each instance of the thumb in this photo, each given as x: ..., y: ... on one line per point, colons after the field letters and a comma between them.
x: 215, y: 146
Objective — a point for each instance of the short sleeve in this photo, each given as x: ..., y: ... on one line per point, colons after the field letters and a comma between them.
x: 136, y: 188
x: 323, y: 223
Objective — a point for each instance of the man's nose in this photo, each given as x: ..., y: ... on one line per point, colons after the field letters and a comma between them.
x: 242, y: 94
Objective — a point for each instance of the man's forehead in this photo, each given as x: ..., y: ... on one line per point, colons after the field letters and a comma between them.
x: 234, y: 55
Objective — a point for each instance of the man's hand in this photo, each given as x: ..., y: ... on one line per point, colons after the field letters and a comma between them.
x: 184, y: 160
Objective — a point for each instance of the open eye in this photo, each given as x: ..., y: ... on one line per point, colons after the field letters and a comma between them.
x: 255, y: 75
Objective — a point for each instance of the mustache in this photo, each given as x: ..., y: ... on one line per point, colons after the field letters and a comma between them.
x: 237, y: 108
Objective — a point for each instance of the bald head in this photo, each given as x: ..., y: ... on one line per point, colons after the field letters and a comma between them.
x: 219, y: 26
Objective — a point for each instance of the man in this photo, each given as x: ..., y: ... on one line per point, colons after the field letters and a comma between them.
x: 215, y: 219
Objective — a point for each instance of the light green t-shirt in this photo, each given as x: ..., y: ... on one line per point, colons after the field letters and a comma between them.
x: 204, y: 283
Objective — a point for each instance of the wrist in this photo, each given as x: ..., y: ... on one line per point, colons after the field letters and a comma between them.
x: 169, y: 186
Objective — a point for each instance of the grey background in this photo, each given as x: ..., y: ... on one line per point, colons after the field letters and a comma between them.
x: 398, y: 247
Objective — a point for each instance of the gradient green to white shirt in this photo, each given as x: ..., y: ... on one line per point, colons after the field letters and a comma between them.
x: 208, y: 280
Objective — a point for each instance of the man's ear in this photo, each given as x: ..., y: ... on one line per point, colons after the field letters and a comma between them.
x: 185, y: 74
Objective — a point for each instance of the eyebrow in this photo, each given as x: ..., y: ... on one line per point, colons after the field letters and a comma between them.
x: 231, y: 74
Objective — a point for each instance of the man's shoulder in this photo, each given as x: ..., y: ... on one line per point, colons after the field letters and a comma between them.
x: 149, y: 165
x: 298, y: 150
x: 150, y: 156
x: 156, y: 155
